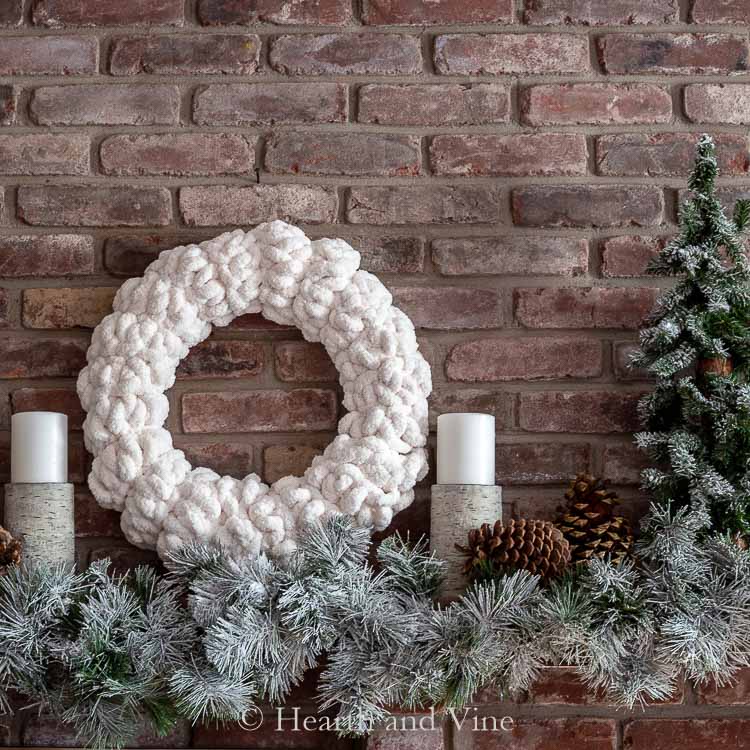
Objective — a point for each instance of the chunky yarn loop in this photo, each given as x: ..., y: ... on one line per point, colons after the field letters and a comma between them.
x: 369, y: 470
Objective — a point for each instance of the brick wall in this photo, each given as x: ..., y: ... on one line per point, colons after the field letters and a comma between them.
x: 506, y: 166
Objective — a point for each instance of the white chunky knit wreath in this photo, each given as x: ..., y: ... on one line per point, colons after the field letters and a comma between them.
x: 368, y: 471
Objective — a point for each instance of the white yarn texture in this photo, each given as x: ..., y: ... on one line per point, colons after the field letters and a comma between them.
x: 367, y: 472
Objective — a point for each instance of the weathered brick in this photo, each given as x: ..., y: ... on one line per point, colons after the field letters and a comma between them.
x: 678, y: 54
x: 622, y: 356
x: 94, y: 206
x: 600, y: 12
x: 587, y: 412
x: 511, y: 255
x: 269, y: 736
x: 516, y: 155
x: 222, y: 205
x: 494, y: 402
x: 324, y: 12
x: 727, y: 195
x: 433, y: 104
x: 561, y: 686
x: 301, y: 361
x: 3, y: 309
x: 340, y: 54
x: 185, y: 54
x: 270, y: 103
x: 44, y: 153
x: 287, y: 460
x: 91, y: 520
x: 11, y: 13
x: 693, y: 734
x: 76, y: 307
x: 540, y: 463
x: 46, y: 255
x: 628, y: 256
x: 584, y: 307
x: 256, y: 322
x: 56, y: 13
x: 435, y: 204
x: 720, y: 11
x: 260, y: 411
x: 665, y: 154
x: 8, y: 105
x: 488, y: 360
x: 42, y: 358
x: 623, y: 463
x: 131, y: 254
x: 737, y: 693
x: 63, y: 400
x: 595, y: 104
x: 540, y: 734
x: 726, y: 103
x: 223, y: 359
x: 588, y: 205
x: 411, y: 733
x: 48, y: 55
x: 448, y: 308
x: 418, y: 13
x: 351, y: 154
x: 124, y: 104
x: 507, y: 54
x: 389, y: 254
x: 123, y: 558
x: 225, y: 458
x: 177, y: 154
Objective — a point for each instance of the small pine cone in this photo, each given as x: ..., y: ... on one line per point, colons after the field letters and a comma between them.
x: 10, y: 550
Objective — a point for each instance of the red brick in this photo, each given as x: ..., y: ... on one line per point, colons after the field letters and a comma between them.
x: 595, y: 104
x: 223, y: 359
x: 270, y: 103
x: 287, y: 460
x: 77, y: 307
x: 448, y: 308
x: 418, y: 13
x: 225, y: 458
x: 94, y: 206
x: 516, y: 155
x: 541, y: 734
x: 351, y: 154
x: 390, y: 254
x: 44, y: 153
x: 123, y: 558
x: 436, y: 204
x: 130, y: 255
x: 57, y: 13
x: 269, y: 736
x: 588, y: 205
x: 628, y: 256
x: 178, y: 154
x: 106, y: 105
x: 727, y: 103
x: 578, y: 411
x: 487, y: 360
x: 224, y: 205
x: 301, y: 361
x: 511, y: 255
x: 508, y: 54
x: 8, y: 105
x: 623, y: 353
x: 260, y: 411
x: 693, y: 734
x: 584, y: 307
x: 540, y: 463
x: 48, y: 55
x: 3, y: 309
x: 601, y: 12
x: 63, y: 400
x: 678, y: 54
x: 46, y: 255
x: 311, y: 12
x: 411, y: 733
x: 432, y: 104
x: 736, y: 693
x: 497, y: 403
x: 340, y: 54
x: 11, y: 13
x: 42, y: 358
x: 561, y: 686
x: 256, y: 322
x: 623, y: 463
x: 665, y: 154
x: 92, y: 520
x: 236, y: 54
x: 720, y: 11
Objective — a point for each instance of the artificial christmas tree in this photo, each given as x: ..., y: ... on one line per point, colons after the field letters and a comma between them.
x: 697, y: 345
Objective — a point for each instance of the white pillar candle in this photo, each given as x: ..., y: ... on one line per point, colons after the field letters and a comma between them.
x: 39, y: 447
x: 466, y: 449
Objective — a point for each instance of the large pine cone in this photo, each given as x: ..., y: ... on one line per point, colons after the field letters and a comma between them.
x: 590, y: 524
x: 10, y: 550
x: 526, y: 544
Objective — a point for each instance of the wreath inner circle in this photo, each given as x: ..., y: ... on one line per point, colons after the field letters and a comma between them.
x: 367, y: 472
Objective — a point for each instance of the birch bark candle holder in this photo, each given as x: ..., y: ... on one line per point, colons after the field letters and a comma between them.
x: 465, y: 495
x: 39, y: 505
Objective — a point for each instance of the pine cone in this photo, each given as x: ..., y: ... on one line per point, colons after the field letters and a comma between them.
x: 526, y: 544
x: 10, y: 550
x: 589, y: 522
